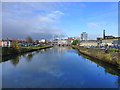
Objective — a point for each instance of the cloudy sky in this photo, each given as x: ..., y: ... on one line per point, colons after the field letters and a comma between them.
x: 45, y: 20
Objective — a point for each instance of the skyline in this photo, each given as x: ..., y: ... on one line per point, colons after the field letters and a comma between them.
x: 52, y: 18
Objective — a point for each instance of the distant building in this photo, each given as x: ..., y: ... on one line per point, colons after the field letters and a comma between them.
x: 88, y: 43
x: 61, y: 42
x: 43, y: 41
x: 110, y: 40
x: 107, y: 37
x: 0, y: 43
x: 71, y: 38
x: 110, y: 37
x: 5, y: 43
x: 84, y: 36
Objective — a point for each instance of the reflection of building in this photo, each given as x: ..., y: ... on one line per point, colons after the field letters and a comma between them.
x: 84, y: 36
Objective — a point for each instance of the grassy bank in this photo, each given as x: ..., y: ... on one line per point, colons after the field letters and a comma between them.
x: 110, y: 56
x: 11, y: 51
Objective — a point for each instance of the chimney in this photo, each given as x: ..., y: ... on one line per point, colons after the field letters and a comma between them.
x: 103, y: 34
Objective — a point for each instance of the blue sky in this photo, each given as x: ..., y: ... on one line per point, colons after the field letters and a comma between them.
x: 43, y: 20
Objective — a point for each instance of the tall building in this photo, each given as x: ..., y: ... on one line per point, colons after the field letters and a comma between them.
x: 84, y: 36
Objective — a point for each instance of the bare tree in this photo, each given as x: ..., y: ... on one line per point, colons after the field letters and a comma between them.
x: 29, y: 39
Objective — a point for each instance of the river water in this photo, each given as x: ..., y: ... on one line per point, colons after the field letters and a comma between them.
x: 57, y: 67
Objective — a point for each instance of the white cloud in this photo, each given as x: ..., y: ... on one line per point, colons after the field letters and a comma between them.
x: 93, y: 25
x: 94, y: 36
x: 20, y: 20
x: 59, y: 12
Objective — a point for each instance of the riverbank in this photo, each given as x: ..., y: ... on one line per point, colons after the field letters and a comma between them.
x: 6, y: 51
x: 111, y: 56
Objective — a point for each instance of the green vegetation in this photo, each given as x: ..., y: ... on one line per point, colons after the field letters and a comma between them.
x: 29, y: 39
x: 111, y: 56
x: 74, y: 42
x: 113, y: 50
x: 14, y: 44
x: 17, y: 50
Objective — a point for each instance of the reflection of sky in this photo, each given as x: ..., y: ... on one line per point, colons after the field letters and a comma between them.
x: 56, y: 67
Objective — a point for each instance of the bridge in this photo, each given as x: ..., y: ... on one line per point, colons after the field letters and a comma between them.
x: 62, y: 42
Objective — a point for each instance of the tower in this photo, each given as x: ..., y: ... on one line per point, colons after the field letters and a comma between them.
x: 103, y: 34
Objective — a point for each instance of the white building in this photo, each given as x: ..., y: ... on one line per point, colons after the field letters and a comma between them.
x: 110, y: 42
x: 5, y: 43
x: 89, y: 43
x: 42, y: 41
x: 84, y: 36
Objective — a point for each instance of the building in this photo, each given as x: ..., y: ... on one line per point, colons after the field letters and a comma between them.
x: 71, y: 38
x: 5, y: 43
x: 43, y: 41
x: 109, y: 40
x: 0, y: 43
x: 88, y: 43
x: 107, y: 37
x: 61, y: 42
x: 84, y: 36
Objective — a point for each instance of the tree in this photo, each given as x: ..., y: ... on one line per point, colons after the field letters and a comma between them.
x: 74, y: 42
x: 36, y: 42
x: 14, y: 43
x: 29, y: 39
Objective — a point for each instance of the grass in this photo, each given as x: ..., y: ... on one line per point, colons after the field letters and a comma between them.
x: 112, y: 55
x: 11, y: 50
x: 35, y: 47
x: 113, y: 50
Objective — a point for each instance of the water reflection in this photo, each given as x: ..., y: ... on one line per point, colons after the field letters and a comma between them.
x: 118, y: 82
x: 29, y: 56
x: 58, y: 67
x: 108, y: 68
x: 15, y: 58
x: 15, y: 61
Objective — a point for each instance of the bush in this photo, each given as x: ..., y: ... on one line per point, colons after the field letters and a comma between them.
x: 74, y: 42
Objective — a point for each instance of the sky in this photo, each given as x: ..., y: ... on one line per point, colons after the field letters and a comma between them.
x: 45, y: 20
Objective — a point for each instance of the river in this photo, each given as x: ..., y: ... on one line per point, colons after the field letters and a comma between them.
x: 57, y: 67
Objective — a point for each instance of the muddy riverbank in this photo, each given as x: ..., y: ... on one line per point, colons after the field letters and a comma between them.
x: 100, y: 54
